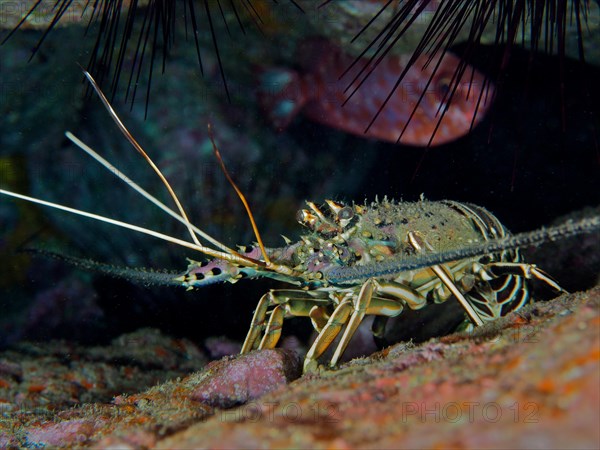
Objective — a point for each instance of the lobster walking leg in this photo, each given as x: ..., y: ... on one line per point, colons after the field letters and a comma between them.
x: 286, y: 302
x: 368, y: 303
x: 529, y: 271
x: 258, y: 322
x: 361, y: 304
x: 329, y: 332
x: 444, y: 275
x: 273, y: 330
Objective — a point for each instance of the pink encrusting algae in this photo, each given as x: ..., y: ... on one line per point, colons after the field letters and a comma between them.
x: 439, y: 99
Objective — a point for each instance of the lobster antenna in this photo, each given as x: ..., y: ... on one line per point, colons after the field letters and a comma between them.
x: 240, y: 195
x: 237, y: 259
x: 121, y: 176
x: 140, y: 150
x: 140, y: 275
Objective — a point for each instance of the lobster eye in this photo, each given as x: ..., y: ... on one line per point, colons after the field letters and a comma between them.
x: 346, y: 213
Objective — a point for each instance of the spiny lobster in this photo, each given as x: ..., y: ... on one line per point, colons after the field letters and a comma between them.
x: 358, y: 260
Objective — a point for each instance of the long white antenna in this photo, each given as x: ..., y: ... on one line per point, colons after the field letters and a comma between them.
x: 199, y: 247
x: 121, y: 176
x: 192, y: 230
x: 224, y: 253
x: 140, y: 150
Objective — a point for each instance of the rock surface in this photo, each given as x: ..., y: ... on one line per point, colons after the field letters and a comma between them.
x: 236, y: 381
x: 529, y: 380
